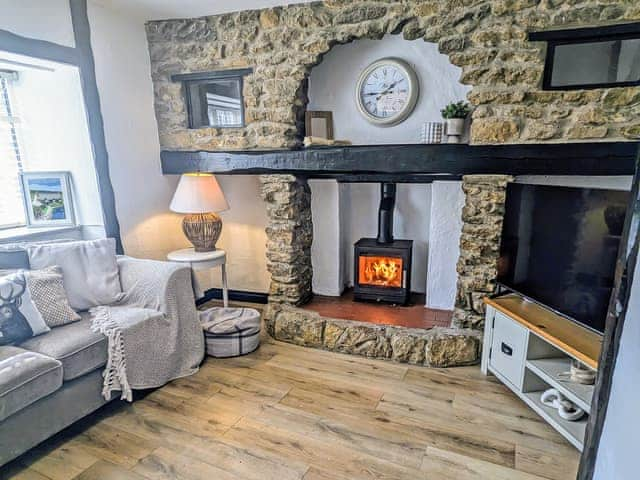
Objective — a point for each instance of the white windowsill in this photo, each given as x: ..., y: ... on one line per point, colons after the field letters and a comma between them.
x: 19, y: 234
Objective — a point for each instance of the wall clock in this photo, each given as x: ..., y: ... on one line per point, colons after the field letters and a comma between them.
x: 387, y: 91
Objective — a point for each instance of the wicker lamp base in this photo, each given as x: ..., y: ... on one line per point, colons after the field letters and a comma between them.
x: 202, y: 230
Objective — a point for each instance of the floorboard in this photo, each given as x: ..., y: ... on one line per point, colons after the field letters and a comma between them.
x: 289, y: 413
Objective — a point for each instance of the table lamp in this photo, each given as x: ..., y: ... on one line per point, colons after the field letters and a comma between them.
x: 199, y: 196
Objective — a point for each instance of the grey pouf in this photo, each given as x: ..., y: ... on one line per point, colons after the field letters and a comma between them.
x: 230, y: 332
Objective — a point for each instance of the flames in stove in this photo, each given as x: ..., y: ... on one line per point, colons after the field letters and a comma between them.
x: 380, y: 271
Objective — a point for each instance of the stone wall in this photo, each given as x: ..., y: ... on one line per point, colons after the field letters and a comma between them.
x: 289, y: 237
x: 482, y: 217
x: 487, y: 38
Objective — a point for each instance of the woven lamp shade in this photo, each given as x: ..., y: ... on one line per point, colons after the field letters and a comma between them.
x: 199, y: 196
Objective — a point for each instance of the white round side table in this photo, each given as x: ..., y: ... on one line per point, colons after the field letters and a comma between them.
x: 204, y: 261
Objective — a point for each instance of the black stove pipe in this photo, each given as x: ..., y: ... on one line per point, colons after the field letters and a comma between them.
x: 385, y: 212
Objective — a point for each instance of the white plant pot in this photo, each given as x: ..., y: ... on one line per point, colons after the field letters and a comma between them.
x: 455, y: 126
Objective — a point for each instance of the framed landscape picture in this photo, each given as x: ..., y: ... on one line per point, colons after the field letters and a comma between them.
x: 47, y: 199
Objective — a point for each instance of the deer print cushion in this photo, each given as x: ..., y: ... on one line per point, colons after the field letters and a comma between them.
x: 19, y: 317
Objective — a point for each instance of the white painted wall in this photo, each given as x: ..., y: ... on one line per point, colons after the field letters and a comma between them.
x: 163, y: 9
x: 447, y: 200
x: 327, y: 252
x: 332, y: 86
x: 142, y: 193
x: 618, y: 452
x: 243, y: 235
x: 41, y: 19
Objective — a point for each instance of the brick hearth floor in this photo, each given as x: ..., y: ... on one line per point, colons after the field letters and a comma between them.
x: 414, y: 315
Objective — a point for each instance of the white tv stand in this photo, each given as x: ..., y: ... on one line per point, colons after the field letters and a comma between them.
x: 527, y: 346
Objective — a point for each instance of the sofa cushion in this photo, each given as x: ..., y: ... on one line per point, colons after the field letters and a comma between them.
x: 89, y: 268
x: 14, y: 255
x: 48, y: 293
x: 78, y: 348
x: 25, y: 377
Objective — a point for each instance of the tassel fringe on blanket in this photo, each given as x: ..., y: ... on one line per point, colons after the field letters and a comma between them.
x: 115, y: 372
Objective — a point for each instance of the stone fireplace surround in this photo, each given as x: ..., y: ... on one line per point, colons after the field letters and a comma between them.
x: 290, y: 234
x: 488, y: 39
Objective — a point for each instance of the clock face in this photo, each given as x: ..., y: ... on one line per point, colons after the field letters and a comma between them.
x: 387, y: 92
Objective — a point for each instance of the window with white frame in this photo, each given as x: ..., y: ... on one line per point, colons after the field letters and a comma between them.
x: 11, y: 203
x: 46, y: 161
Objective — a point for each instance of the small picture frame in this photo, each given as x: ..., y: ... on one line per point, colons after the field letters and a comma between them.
x: 47, y: 199
x: 319, y: 124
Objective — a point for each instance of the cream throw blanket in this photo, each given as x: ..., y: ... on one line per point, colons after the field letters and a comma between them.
x: 153, y: 334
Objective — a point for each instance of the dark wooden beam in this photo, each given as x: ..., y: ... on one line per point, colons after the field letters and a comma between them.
x: 614, y: 158
x: 392, y: 178
x: 95, y: 123
x: 585, y: 34
x: 211, y: 75
x: 31, y: 47
x: 625, y: 269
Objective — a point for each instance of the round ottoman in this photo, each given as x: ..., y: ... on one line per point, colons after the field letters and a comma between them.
x: 230, y: 332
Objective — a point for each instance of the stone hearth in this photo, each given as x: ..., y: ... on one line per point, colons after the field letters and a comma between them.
x: 436, y: 347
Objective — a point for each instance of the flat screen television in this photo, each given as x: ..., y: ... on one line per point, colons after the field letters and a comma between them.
x: 559, y: 248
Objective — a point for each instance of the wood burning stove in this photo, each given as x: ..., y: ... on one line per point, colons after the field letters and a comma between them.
x: 383, y: 265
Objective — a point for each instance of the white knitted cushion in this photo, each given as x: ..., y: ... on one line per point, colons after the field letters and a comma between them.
x: 47, y: 292
x: 230, y: 332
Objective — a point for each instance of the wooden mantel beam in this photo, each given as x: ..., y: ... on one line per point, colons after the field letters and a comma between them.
x: 610, y: 158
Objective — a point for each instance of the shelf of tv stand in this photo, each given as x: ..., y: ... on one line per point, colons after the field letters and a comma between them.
x: 577, y: 341
x: 530, y: 349
x: 551, y: 370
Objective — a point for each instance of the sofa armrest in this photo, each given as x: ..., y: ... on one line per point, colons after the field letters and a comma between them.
x: 163, y: 286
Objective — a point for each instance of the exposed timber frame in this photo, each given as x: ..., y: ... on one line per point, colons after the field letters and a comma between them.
x: 396, y: 161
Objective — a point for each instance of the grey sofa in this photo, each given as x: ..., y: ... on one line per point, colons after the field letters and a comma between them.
x: 52, y: 380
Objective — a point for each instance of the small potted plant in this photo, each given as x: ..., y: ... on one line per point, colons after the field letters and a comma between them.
x: 455, y: 113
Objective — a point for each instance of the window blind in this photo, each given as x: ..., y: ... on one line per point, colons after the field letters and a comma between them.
x: 11, y: 203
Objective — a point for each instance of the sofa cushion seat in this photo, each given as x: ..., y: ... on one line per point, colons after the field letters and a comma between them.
x: 78, y: 348
x: 25, y: 377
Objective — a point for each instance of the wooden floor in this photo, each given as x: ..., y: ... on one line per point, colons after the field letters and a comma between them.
x: 414, y: 315
x: 287, y: 412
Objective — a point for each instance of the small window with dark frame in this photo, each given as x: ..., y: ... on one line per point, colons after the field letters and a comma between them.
x: 585, y: 58
x: 214, y: 99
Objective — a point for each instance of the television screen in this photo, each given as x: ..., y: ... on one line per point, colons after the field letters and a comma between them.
x: 559, y: 248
